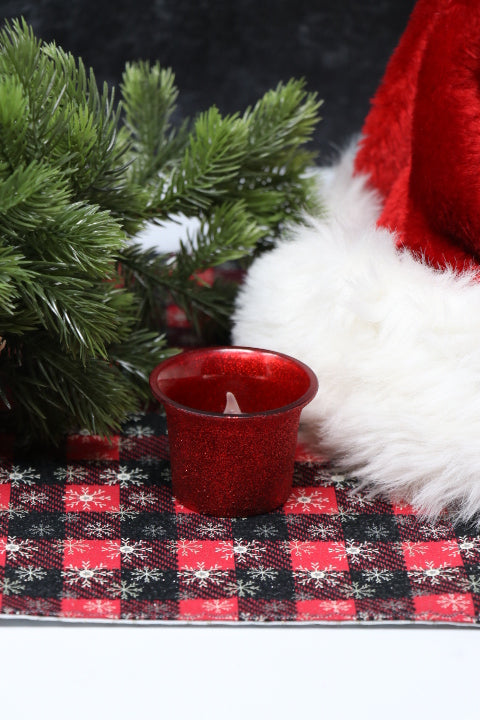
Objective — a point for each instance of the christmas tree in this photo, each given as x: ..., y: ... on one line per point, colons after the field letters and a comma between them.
x: 81, y: 303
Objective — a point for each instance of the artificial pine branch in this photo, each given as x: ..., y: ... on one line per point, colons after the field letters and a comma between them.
x: 81, y: 305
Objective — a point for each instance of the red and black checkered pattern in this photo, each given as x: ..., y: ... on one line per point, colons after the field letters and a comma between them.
x: 97, y: 534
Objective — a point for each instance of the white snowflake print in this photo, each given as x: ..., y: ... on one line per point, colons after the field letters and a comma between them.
x: 136, y: 416
x: 320, y: 530
x: 436, y: 531
x: 87, y: 498
x: 11, y: 587
x: 30, y: 573
x: 317, y: 577
x: 98, y: 529
x: 472, y: 584
x: 338, y: 480
x: 142, y: 498
x: 278, y: 608
x: 154, y: 530
x: 267, y: 530
x: 370, y: 616
x: 124, y: 477
x: 242, y: 588
x: 263, y: 574
x: 86, y: 575
x: 250, y: 617
x: 411, y: 549
x: 345, y: 515
x: 33, y: 497
x: 299, y: 548
x: 219, y: 606
x: 355, y: 552
x: 434, y: 574
x: 450, y: 548
x: 139, y: 431
x: 164, y: 475
x: 156, y: 611
x: 377, y: 576
x: 454, y: 603
x: 38, y: 606
x: 42, y: 530
x: 302, y: 500
x: 334, y: 607
x: 17, y: 548
x: 124, y: 513
x: 71, y: 474
x: 377, y: 532
x: 70, y: 517
x: 210, y: 529
x: 128, y: 550
x: 103, y: 608
x: 395, y: 607
x: 203, y: 576
x: 184, y: 547
x: 241, y: 550
x: 13, y: 512
x: 358, y: 591
x: 73, y: 545
x: 147, y: 575
x: 470, y: 546
x: 124, y: 590
x: 360, y: 503
x: 16, y: 476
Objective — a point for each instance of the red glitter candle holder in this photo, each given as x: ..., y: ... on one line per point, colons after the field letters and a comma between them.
x: 225, y: 464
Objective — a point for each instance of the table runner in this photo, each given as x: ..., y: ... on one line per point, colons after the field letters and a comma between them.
x: 92, y: 532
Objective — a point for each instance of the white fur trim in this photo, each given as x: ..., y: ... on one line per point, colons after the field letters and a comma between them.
x: 394, y: 343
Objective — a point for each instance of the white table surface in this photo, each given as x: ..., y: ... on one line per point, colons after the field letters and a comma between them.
x: 70, y: 671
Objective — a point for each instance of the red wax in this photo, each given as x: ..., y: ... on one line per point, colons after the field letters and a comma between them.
x: 226, y: 464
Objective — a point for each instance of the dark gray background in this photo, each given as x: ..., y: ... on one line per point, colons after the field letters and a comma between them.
x: 229, y: 53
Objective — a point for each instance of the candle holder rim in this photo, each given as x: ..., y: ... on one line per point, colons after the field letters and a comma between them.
x: 300, y: 402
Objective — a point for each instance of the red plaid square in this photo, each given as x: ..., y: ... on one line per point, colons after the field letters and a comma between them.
x: 92, y: 447
x: 448, y: 606
x: 304, y: 454
x: 328, y: 555
x: 3, y: 550
x: 98, y: 553
x: 181, y: 509
x: 423, y: 555
x: 311, y: 500
x: 95, y: 608
x: 218, y: 554
x: 403, y: 509
x: 92, y: 498
x: 326, y: 610
x: 208, y: 610
x: 5, y: 496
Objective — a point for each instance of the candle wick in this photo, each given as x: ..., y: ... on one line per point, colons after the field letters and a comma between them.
x: 232, y: 407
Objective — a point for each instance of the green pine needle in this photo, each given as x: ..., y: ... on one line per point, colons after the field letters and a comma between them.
x: 81, y: 306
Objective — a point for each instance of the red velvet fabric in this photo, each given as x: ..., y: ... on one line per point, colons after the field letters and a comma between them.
x: 421, y: 139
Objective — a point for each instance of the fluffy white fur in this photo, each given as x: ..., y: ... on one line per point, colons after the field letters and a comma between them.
x: 394, y: 343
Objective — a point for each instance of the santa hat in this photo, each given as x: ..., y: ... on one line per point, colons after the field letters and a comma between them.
x: 381, y: 297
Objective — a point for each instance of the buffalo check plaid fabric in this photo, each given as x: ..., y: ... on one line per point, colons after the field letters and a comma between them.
x: 93, y: 533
